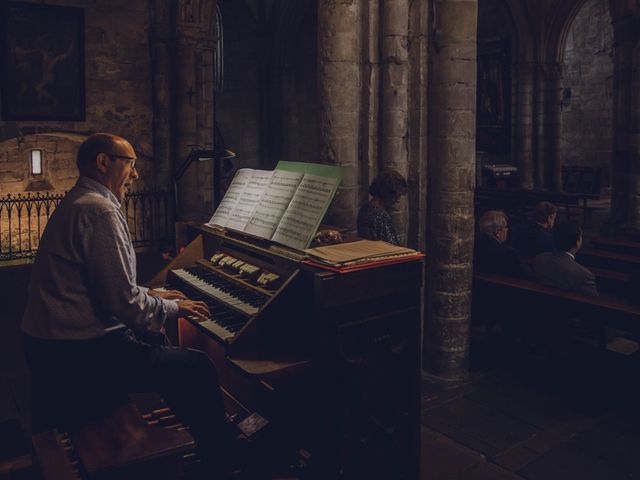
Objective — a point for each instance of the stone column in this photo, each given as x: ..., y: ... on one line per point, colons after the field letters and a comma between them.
x: 523, y: 123
x: 625, y: 175
x: 539, y: 164
x: 160, y: 46
x: 395, y: 96
x: 418, y: 119
x: 339, y: 91
x: 450, y: 229
x: 551, y: 147
x: 370, y: 98
x: 194, y: 104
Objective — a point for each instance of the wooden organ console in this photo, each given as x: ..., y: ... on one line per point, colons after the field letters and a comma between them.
x: 330, y: 359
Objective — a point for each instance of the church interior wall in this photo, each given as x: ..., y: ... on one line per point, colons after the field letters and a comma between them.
x: 267, y: 110
x: 117, y: 96
x: 238, y: 104
x: 587, y: 81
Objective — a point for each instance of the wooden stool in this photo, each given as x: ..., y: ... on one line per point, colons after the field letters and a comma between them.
x: 121, y: 446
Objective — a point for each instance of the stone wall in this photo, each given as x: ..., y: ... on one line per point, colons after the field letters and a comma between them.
x: 117, y: 93
x: 58, y: 163
x: 586, y: 138
x: 237, y: 106
x: 268, y: 108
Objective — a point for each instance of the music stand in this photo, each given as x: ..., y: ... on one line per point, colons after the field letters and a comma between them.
x: 219, y: 153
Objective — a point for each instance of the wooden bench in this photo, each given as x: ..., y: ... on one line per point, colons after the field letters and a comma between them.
x: 627, y: 247
x: 619, y: 262
x: 526, y: 297
x: 611, y: 282
x: 121, y: 446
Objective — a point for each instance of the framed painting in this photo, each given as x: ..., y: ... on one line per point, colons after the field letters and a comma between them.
x: 42, y: 62
x: 493, y: 118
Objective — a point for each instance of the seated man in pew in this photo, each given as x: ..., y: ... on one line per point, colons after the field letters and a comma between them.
x: 491, y: 253
x: 536, y: 236
x: 91, y: 334
x: 560, y: 269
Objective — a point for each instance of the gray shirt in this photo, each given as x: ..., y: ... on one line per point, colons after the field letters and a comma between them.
x: 560, y: 269
x: 83, y: 282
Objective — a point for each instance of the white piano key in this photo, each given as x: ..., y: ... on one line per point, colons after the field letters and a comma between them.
x: 215, y: 292
x: 217, y: 330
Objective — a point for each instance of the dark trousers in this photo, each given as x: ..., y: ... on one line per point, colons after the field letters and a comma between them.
x: 72, y: 380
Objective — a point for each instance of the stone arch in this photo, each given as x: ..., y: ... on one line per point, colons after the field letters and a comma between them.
x: 560, y: 27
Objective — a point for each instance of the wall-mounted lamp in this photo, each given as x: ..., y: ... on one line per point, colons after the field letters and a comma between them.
x: 36, y: 162
x: 565, y: 101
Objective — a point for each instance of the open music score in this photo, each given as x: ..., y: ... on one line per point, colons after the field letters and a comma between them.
x: 285, y: 205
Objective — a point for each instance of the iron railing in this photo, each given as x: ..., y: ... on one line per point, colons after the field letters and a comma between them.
x: 23, y: 219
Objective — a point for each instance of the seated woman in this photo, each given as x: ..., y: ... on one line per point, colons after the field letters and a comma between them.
x: 374, y: 220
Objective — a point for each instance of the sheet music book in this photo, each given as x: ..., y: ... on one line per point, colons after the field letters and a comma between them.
x: 358, y: 252
x: 285, y: 205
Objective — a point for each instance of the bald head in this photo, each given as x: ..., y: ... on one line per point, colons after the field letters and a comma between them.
x: 109, y: 160
x: 93, y: 146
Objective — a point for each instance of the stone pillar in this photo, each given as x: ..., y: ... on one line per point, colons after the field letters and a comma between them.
x: 625, y: 175
x: 339, y: 92
x: 395, y: 96
x: 450, y: 228
x: 194, y: 104
x: 539, y: 164
x: 551, y: 147
x: 370, y: 98
x: 160, y: 46
x: 523, y: 123
x: 418, y: 118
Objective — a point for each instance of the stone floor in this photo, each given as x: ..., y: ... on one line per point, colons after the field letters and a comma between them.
x: 575, y: 415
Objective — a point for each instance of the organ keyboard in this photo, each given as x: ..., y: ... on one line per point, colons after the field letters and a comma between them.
x: 332, y: 360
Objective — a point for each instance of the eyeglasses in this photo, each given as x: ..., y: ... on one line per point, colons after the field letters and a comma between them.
x: 131, y: 160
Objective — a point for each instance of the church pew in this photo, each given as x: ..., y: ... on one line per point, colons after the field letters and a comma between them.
x: 627, y: 247
x: 619, y: 262
x: 612, y: 283
x: 529, y: 300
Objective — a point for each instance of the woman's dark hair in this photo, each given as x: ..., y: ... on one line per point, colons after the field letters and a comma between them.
x: 388, y: 186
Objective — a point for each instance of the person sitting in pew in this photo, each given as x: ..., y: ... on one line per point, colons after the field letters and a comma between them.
x: 560, y: 269
x: 536, y: 236
x: 491, y: 253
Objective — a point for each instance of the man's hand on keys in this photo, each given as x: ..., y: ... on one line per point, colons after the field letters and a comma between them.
x: 168, y: 294
x: 193, y: 309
